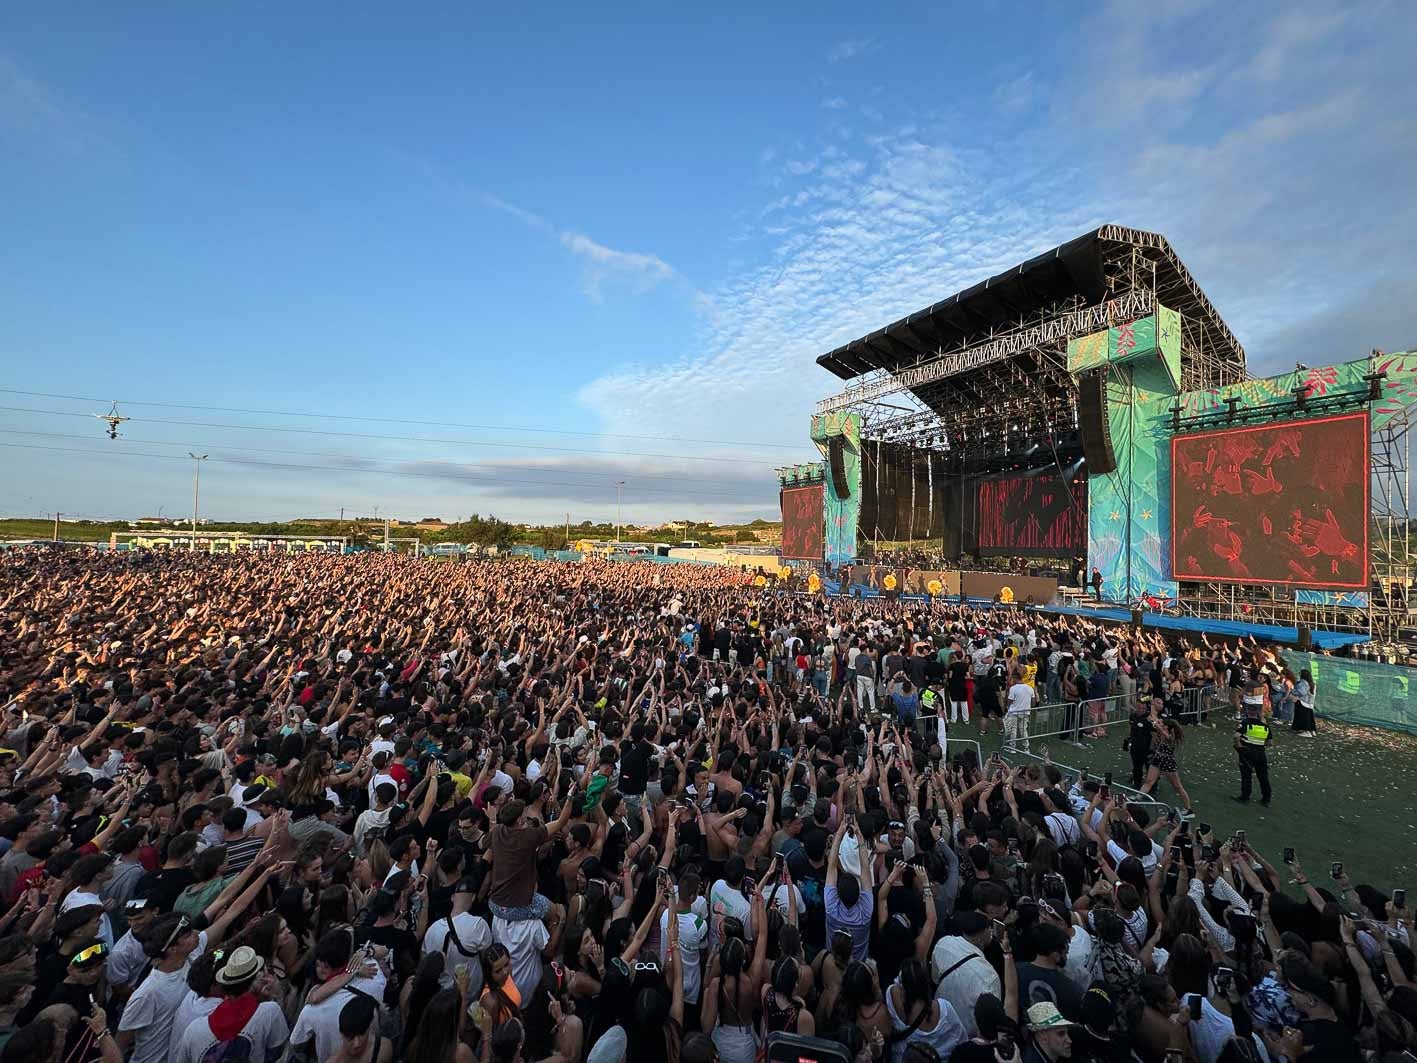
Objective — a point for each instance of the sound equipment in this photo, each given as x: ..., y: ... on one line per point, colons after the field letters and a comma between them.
x: 1306, y: 638
x: 836, y: 454
x: 794, y: 1048
x: 1093, y: 423
x: 1136, y: 619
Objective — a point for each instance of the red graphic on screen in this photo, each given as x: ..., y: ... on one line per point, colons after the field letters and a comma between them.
x: 802, y: 522
x: 1032, y: 515
x: 1284, y: 503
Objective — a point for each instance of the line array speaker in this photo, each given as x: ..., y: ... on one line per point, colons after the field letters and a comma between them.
x: 1093, y: 424
x: 836, y: 455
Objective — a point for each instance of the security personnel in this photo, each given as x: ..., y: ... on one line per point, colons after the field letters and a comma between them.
x: 930, y: 700
x: 1250, y: 742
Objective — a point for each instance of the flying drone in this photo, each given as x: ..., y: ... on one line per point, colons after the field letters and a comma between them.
x: 113, y: 419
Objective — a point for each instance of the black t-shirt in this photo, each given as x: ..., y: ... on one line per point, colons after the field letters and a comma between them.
x: 916, y: 667
x: 1140, y: 731
x: 634, y: 768
x: 1330, y: 1041
x: 440, y: 822
x: 163, y: 887
x: 959, y: 678
x: 403, y: 950
x: 1037, y: 985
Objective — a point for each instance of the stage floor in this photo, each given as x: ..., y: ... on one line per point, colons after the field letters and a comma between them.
x: 1322, y: 640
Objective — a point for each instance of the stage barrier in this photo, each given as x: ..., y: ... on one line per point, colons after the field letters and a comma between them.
x: 1073, y: 777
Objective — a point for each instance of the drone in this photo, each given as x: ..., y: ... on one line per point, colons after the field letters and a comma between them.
x: 113, y: 418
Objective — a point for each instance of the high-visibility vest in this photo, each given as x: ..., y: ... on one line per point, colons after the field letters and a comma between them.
x: 1255, y: 734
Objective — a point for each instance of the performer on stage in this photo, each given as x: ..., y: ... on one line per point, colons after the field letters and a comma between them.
x: 1097, y: 583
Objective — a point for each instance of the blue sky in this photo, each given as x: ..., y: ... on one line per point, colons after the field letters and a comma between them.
x: 635, y: 225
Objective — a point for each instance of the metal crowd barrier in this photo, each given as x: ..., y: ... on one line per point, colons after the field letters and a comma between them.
x: 1072, y: 720
x: 1073, y: 777
x: 927, y: 726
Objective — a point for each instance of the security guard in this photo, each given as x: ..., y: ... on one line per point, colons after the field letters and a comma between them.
x: 930, y: 699
x: 1250, y: 742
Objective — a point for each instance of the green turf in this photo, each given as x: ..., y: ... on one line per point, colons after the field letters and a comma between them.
x: 1346, y: 795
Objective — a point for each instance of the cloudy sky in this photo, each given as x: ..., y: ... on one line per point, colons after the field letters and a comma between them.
x: 457, y: 260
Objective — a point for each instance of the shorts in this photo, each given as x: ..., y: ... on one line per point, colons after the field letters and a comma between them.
x: 986, y: 703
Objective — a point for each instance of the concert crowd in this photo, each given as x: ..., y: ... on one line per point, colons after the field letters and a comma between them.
x: 365, y: 808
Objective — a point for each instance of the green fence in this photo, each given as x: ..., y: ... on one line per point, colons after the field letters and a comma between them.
x: 1361, y: 692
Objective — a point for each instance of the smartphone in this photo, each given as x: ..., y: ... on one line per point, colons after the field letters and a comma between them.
x: 1197, y: 1008
x: 1107, y: 780
x: 1288, y: 854
x: 1240, y: 837
x: 1092, y: 849
x: 1335, y: 869
x: 1204, y: 829
x: 1105, y: 792
x: 1000, y: 928
x: 1224, y: 978
x: 1399, y: 898
x: 1175, y: 1055
x: 1013, y: 847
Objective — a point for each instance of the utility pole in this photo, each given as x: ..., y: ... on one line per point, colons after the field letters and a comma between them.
x: 56, y: 526
x: 386, y: 534
x: 568, y: 531
x: 619, y: 498
x: 341, y: 514
x: 197, y: 460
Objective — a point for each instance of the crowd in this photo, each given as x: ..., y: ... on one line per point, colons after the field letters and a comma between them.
x: 367, y: 808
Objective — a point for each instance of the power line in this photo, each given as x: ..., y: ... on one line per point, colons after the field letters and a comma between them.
x: 335, y: 468
x: 351, y: 457
x: 401, y: 420
x: 407, y: 439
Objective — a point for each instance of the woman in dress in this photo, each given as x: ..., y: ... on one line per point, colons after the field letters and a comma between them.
x: 1304, y: 724
x: 1167, y: 736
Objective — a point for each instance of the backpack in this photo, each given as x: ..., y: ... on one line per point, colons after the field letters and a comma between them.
x: 237, y: 1050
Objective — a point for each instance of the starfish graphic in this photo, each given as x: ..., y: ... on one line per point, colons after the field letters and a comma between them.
x: 1146, y: 514
x: 1114, y: 515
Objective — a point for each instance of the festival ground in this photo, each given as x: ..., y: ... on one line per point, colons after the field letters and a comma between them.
x: 1344, y: 795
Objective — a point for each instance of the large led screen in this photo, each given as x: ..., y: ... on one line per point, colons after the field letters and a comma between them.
x: 1278, y: 503
x: 1038, y: 514
x: 802, y: 522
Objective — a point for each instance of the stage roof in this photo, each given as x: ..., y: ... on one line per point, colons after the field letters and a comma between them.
x: 1076, y: 269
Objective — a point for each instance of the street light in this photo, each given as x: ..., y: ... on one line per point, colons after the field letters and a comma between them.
x: 619, y: 489
x: 197, y: 460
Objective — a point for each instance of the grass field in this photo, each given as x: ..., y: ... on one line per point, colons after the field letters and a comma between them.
x: 1350, y: 794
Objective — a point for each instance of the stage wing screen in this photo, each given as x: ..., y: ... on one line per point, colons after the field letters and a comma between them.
x: 1038, y: 514
x: 1277, y: 503
x: 802, y: 522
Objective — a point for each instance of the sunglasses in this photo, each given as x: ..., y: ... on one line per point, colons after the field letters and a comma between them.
x: 183, y: 923
x: 647, y: 967
x: 93, y: 952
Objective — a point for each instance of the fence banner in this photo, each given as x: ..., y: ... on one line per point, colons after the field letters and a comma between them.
x: 1362, y: 692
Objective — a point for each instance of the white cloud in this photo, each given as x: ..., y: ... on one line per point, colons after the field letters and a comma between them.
x: 850, y: 49
x: 606, y: 265
x: 1288, y: 36
x: 834, y: 103
x: 32, y: 109
x: 1016, y: 95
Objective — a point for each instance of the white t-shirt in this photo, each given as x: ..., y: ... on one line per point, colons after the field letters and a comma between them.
x: 524, y: 939
x: 267, y: 1031
x: 125, y: 961
x: 189, y: 1011
x: 153, y: 1006
x: 1020, y: 699
x: 321, y: 1021
x: 693, y: 936
x: 474, y: 935
x: 734, y: 904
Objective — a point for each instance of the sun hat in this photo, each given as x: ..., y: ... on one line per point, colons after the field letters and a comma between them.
x: 242, y: 965
x: 1046, y: 1016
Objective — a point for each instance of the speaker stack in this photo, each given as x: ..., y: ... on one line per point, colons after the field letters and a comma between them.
x: 1093, y: 423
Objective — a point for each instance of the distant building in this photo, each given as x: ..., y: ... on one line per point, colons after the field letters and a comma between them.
x: 151, y: 521
x: 431, y: 524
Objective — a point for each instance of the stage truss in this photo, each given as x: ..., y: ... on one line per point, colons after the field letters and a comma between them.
x: 1007, y: 388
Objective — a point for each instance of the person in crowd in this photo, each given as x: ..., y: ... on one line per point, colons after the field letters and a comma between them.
x: 504, y: 811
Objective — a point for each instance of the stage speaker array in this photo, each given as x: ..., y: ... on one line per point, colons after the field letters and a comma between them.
x: 836, y: 458
x: 1092, y: 421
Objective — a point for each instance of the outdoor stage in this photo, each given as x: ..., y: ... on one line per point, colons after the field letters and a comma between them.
x: 1089, y: 409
